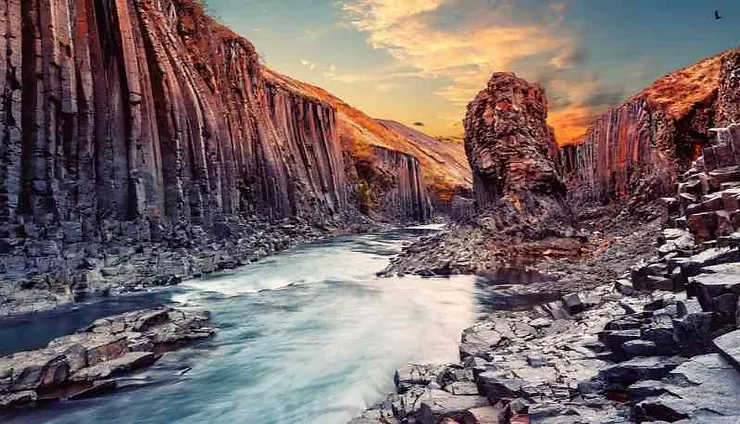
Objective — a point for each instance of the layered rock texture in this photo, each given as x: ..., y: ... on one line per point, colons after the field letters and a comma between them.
x: 138, y: 110
x: 88, y: 363
x: 639, y: 148
x: 443, y: 162
x: 511, y: 148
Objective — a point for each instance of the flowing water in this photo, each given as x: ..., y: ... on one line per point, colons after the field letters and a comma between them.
x: 307, y: 336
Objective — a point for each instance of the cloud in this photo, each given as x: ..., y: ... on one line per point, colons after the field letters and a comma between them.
x: 314, y: 34
x: 387, y: 87
x: 465, y: 53
x: 461, y: 43
x: 604, y: 98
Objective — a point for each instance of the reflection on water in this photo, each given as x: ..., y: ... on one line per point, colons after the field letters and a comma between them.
x: 310, y: 335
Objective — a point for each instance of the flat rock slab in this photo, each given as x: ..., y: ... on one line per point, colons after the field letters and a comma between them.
x: 416, y: 375
x: 705, y: 388
x: 75, y: 364
x: 729, y: 347
x: 437, y: 405
x: 640, y: 368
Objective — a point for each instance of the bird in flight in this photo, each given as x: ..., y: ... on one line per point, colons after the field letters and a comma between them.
x: 716, y: 15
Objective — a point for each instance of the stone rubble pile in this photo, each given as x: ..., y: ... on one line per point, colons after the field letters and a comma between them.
x: 87, y: 363
x: 600, y: 357
x: 708, y: 198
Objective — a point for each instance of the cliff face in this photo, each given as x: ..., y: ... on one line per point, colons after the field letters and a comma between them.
x: 640, y: 147
x: 446, y: 163
x: 376, y: 182
x: 137, y: 110
x: 510, y: 148
x: 444, y: 168
x: 404, y: 196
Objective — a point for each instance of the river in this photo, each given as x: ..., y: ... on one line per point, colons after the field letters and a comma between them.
x: 310, y: 335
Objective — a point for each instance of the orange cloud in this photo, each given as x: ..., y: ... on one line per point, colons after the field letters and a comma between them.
x: 487, y: 38
x: 571, y: 123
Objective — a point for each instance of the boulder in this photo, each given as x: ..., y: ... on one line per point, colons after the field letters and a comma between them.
x: 480, y: 338
x: 728, y: 346
x: 704, y: 388
x: 496, y: 386
x: 415, y: 375
x: 485, y: 415
x: 437, y: 405
x: 640, y: 368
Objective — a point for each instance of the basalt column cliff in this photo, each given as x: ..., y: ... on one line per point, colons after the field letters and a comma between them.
x: 130, y: 110
x: 638, y: 149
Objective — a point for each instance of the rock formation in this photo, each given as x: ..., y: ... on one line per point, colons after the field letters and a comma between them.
x: 443, y: 162
x: 135, y: 111
x: 87, y: 363
x: 511, y: 148
x: 640, y: 147
x: 406, y: 195
x: 375, y: 186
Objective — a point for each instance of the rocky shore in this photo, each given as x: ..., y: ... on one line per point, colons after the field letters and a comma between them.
x: 610, y: 354
x: 90, y: 362
x: 42, y: 271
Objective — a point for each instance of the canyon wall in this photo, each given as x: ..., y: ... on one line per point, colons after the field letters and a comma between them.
x: 639, y: 148
x: 382, y: 182
x: 144, y: 111
x: 445, y: 171
x: 405, y: 196
x: 143, y: 143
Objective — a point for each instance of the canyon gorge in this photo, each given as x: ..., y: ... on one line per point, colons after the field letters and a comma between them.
x: 147, y: 125
x: 148, y: 154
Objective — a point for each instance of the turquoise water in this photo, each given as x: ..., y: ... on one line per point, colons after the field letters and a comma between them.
x: 307, y: 336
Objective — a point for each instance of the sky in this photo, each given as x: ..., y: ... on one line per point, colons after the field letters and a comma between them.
x: 423, y: 61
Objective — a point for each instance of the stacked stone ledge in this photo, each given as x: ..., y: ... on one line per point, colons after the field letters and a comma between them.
x: 708, y: 198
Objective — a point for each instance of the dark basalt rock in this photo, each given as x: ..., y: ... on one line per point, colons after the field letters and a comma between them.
x: 146, y: 126
x: 86, y: 363
x: 705, y: 387
x: 638, y: 150
x: 637, y: 369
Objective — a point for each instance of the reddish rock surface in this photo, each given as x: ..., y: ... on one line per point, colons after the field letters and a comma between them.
x: 511, y: 148
x: 142, y: 111
x: 377, y: 185
x: 640, y: 147
x: 143, y: 142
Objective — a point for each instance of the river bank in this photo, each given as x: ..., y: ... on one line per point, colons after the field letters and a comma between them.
x: 306, y: 335
x: 48, y: 274
x: 657, y: 343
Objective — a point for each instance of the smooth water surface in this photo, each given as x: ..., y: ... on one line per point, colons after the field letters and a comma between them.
x: 307, y: 336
